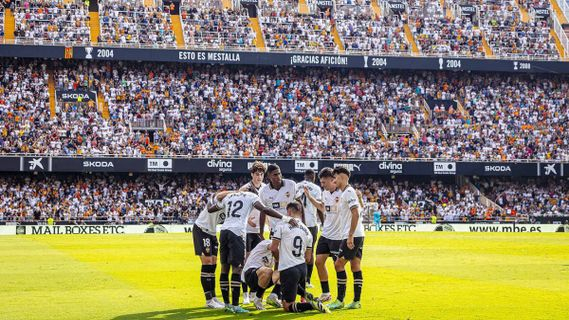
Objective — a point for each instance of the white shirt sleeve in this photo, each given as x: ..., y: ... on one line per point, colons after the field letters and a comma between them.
x: 352, y: 199
x: 299, y: 190
x: 293, y: 187
x: 262, y: 194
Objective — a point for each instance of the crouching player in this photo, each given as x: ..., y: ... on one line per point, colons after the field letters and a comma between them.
x: 292, y: 247
x: 258, y: 271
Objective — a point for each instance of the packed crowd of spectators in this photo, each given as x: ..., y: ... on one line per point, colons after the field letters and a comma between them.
x: 287, y: 29
x: 436, y: 33
x: 207, y: 23
x: 87, y: 198
x: 1, y: 22
x: 437, y: 29
x: 509, y: 36
x: 108, y: 198
x: 531, y: 4
x: 288, y: 112
x: 52, y: 21
x: 408, y: 200
x: 535, y: 198
x: 131, y: 22
x: 362, y: 31
x: 24, y: 106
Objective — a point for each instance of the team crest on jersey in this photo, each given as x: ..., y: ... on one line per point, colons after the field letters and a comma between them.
x: 276, y: 205
x: 287, y: 194
x: 221, y: 218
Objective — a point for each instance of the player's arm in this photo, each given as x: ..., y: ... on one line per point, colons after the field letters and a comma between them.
x: 276, y: 243
x: 317, y: 203
x: 217, y: 198
x: 274, y: 247
x: 320, y: 215
x: 272, y: 213
x: 353, y: 224
x: 262, y: 219
x: 308, y: 253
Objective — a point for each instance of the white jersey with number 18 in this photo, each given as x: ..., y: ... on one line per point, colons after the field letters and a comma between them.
x: 237, y: 208
x: 208, y: 221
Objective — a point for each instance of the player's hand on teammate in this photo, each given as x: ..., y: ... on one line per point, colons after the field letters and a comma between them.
x: 293, y: 222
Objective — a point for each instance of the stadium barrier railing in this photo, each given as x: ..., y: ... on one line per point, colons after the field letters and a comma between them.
x: 239, y: 157
x: 165, y: 46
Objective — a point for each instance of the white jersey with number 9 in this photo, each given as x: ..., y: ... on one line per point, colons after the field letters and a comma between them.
x: 294, y: 242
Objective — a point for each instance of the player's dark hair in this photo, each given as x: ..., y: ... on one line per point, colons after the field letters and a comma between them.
x: 296, y: 206
x: 326, y: 173
x: 343, y: 170
x: 258, y: 166
x: 309, y: 175
x: 272, y: 167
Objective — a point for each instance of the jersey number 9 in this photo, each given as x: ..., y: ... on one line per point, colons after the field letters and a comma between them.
x: 297, y: 244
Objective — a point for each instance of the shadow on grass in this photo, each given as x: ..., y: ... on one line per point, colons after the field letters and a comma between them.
x: 204, y: 313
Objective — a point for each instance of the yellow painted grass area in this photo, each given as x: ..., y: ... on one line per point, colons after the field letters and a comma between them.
x: 406, y: 276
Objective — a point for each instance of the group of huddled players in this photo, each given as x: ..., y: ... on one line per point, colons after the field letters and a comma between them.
x: 285, y: 261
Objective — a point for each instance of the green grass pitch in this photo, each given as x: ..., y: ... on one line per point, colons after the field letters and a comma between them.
x: 406, y: 276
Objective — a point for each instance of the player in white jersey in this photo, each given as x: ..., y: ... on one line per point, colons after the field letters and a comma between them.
x: 258, y: 271
x: 238, y: 206
x: 253, y: 238
x: 277, y: 195
x: 292, y: 246
x: 351, y: 248
x: 205, y: 245
x: 311, y: 213
x: 332, y: 228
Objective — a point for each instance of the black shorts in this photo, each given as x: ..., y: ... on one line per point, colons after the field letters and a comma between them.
x: 231, y: 249
x: 204, y: 243
x: 253, y: 239
x: 252, y: 280
x: 356, y: 252
x: 329, y: 247
x: 291, y: 279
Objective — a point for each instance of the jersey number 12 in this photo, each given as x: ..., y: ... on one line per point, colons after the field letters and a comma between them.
x: 236, y: 206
